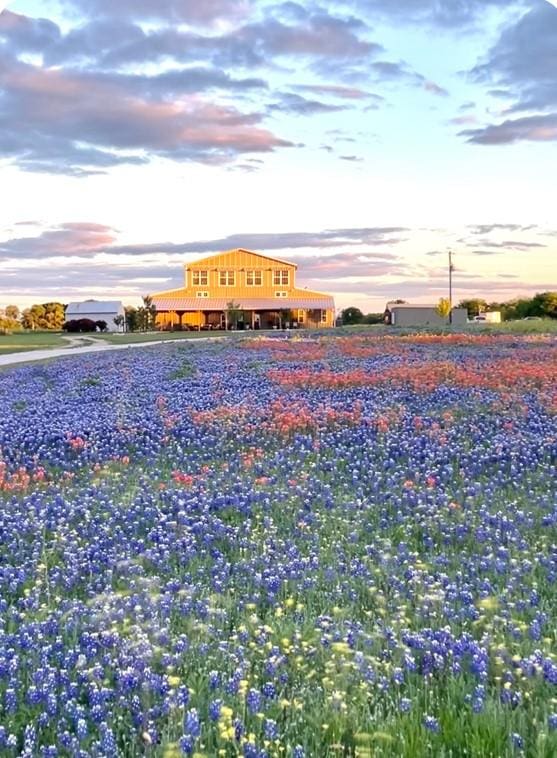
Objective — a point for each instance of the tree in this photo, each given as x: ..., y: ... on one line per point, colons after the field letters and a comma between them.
x: 101, y: 325
x: 149, y: 312
x: 544, y: 304
x: 132, y: 318
x: 374, y: 318
x: 9, y: 318
x: 443, y: 307
x: 44, y: 316
x: 12, y: 312
x: 474, y: 306
x: 352, y: 315
x: 285, y: 317
x: 32, y: 316
x: 520, y: 308
x: 80, y: 325
x: 119, y: 321
x: 232, y: 314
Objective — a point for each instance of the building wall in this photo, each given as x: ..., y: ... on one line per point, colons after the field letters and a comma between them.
x: 239, y: 263
x: 108, y: 317
x: 426, y: 317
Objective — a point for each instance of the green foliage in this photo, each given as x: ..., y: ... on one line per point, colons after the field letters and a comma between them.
x: 48, y: 316
x: 132, y: 319
x: 146, y: 315
x: 232, y: 313
x: 542, y: 305
x: 443, y: 307
x: 91, y: 381
x: 374, y: 318
x: 352, y: 315
x: 9, y: 319
x: 474, y: 306
x: 185, y: 371
x: 80, y: 325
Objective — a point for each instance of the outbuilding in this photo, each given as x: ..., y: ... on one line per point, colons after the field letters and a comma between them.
x: 97, y: 310
x: 406, y: 314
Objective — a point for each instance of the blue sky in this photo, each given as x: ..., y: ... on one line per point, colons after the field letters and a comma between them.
x: 361, y: 139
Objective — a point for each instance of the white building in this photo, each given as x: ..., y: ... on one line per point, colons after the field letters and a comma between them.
x: 488, y: 317
x: 97, y: 310
x: 406, y: 314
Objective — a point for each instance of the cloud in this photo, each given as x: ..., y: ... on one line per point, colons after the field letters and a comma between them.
x: 301, y: 106
x: 115, y: 42
x: 347, y: 265
x: 70, y: 239
x: 541, y: 128
x: 58, y: 83
x: 87, y: 239
x: 440, y: 13
x: 522, y: 67
x: 487, y: 228
x: 69, y: 128
x: 401, y: 71
x: 174, y: 11
x: 435, y: 89
x: 513, y: 245
x: 339, y: 91
x: 26, y: 34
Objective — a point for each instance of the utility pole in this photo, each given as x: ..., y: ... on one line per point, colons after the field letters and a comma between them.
x: 451, y: 286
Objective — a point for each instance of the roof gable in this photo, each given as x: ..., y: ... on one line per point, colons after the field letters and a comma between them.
x: 241, y: 250
x: 95, y: 306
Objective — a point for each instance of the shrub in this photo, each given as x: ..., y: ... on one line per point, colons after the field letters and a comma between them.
x: 80, y: 325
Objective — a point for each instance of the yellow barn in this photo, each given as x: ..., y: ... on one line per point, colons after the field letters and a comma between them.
x: 243, y: 289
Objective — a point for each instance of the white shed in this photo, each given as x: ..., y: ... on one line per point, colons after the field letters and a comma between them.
x: 405, y: 314
x: 97, y: 310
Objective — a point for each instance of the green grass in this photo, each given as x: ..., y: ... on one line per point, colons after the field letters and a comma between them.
x: 19, y: 342
x: 136, y: 337
x: 545, y: 326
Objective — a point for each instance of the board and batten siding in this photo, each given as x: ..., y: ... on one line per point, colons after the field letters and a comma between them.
x: 240, y: 262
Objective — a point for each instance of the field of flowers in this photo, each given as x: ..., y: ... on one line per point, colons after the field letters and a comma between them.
x: 281, y: 548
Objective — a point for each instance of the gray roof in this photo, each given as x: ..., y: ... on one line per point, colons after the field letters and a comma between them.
x: 392, y: 306
x: 95, y: 306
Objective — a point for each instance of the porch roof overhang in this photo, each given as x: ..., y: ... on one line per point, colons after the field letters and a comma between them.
x: 247, y: 304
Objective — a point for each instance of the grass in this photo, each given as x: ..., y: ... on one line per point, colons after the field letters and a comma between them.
x: 19, y: 342
x: 137, y: 337
x: 22, y: 341
x: 544, y: 326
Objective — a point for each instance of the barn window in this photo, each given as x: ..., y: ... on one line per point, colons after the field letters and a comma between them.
x: 281, y: 277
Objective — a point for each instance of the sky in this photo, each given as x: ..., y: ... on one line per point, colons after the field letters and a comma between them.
x: 360, y: 139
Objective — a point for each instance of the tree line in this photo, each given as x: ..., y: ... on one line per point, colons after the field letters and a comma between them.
x: 52, y: 317
x: 542, y: 305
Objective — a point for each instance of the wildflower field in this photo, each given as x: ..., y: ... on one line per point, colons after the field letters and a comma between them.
x: 344, y: 546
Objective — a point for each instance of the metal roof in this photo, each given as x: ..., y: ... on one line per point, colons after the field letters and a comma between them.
x: 95, y: 306
x: 207, y: 258
x: 393, y: 306
x: 246, y: 303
